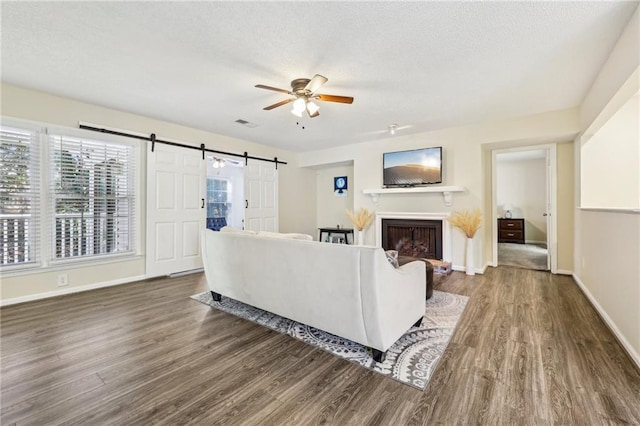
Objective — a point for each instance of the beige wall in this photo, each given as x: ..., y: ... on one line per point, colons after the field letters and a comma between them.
x: 297, y: 202
x: 523, y: 184
x: 466, y: 164
x: 610, y: 267
x: 331, y: 208
x: 607, y: 243
x: 565, y: 206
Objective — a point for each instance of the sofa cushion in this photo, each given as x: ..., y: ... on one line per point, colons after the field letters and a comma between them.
x: 231, y: 230
x: 289, y: 236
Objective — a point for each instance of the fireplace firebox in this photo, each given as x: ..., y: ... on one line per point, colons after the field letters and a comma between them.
x: 415, y: 238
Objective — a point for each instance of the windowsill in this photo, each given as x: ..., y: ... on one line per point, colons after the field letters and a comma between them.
x: 61, y: 265
x: 608, y: 210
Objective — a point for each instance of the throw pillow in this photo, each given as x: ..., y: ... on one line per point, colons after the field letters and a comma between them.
x: 392, y: 257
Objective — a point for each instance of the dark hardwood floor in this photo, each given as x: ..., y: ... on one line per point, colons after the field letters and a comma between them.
x: 529, y: 350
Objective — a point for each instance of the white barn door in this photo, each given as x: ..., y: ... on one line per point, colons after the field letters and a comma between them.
x: 261, y: 196
x: 175, y: 211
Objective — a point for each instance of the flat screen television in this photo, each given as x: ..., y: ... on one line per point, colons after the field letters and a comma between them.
x: 412, y: 168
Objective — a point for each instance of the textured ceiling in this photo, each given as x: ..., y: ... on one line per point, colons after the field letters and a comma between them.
x: 422, y: 65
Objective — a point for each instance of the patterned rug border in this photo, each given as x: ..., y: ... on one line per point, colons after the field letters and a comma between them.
x: 411, y: 360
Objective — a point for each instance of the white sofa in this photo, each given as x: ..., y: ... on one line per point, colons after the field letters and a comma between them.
x: 350, y: 291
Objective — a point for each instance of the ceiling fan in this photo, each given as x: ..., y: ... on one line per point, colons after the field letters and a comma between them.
x: 304, y: 92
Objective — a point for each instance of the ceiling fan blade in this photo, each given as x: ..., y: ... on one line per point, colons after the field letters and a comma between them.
x: 315, y: 83
x: 286, y: 101
x: 334, y: 98
x: 275, y: 89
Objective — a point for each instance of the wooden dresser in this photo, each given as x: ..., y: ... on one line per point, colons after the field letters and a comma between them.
x: 511, y: 231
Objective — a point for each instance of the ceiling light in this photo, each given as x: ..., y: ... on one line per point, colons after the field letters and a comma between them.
x: 218, y: 163
x: 392, y: 129
x: 299, y: 104
x: 312, y: 108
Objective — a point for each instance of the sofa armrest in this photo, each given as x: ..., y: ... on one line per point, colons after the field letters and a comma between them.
x: 393, y: 299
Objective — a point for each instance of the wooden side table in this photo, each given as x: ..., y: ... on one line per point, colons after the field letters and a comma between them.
x: 345, y: 232
x: 511, y: 231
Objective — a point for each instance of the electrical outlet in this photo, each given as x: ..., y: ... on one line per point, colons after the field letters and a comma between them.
x: 63, y: 279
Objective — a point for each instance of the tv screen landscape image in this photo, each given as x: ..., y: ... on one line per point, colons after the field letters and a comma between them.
x: 412, y: 168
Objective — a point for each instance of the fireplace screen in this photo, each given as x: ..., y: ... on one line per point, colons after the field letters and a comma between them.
x: 414, y: 238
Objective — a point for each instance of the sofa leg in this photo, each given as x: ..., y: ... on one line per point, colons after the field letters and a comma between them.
x: 378, y: 356
x: 417, y: 324
x: 216, y: 296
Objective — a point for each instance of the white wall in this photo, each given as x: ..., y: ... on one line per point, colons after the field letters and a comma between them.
x: 331, y: 208
x: 523, y: 184
x: 607, y: 243
x: 297, y: 201
x: 464, y: 164
x: 610, y: 166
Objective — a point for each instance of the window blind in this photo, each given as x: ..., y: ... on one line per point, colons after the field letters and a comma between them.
x: 19, y: 201
x: 92, y: 197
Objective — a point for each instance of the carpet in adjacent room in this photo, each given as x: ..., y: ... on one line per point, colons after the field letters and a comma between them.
x: 528, y: 256
x: 411, y: 360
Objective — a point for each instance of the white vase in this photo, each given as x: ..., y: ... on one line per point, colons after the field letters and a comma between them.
x: 360, y: 237
x: 469, y: 265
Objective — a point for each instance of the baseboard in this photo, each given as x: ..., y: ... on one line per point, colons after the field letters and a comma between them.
x: 534, y: 242
x: 635, y: 357
x: 563, y: 272
x: 69, y: 290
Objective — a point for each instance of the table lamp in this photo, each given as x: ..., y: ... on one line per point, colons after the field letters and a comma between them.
x: 507, y: 210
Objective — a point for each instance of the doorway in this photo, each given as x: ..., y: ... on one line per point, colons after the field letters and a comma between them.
x: 225, y: 191
x: 523, y: 190
x: 183, y: 191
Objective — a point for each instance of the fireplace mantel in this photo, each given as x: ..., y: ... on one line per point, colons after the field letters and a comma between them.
x: 447, y: 192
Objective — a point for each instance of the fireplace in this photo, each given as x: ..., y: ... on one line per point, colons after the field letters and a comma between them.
x: 414, y: 238
x: 432, y: 230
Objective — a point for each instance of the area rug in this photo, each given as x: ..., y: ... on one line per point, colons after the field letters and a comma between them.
x: 411, y: 360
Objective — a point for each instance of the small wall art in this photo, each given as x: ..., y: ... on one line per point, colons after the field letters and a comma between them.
x: 340, y: 186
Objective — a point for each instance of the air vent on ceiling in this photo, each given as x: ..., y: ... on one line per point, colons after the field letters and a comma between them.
x: 246, y: 123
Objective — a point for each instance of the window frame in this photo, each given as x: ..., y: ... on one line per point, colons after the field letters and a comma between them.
x: 229, y: 195
x: 35, y: 194
x: 46, y: 250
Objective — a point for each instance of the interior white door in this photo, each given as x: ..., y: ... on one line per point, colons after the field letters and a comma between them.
x: 175, y: 209
x: 261, y: 197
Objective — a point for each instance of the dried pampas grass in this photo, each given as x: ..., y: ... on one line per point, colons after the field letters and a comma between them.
x: 361, y: 219
x: 467, y: 220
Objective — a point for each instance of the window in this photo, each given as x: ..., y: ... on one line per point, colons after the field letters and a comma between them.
x: 218, y: 198
x: 19, y: 201
x: 88, y: 192
x: 91, y: 197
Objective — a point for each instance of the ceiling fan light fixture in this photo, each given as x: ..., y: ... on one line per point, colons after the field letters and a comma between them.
x: 299, y: 104
x: 218, y: 163
x: 312, y: 108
